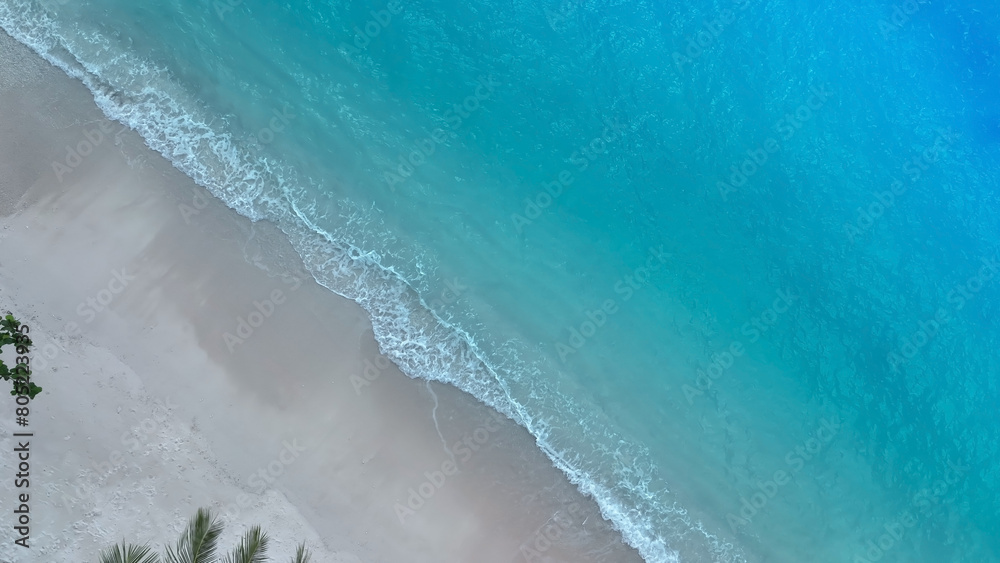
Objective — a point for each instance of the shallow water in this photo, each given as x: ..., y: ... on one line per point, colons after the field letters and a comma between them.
x: 733, y: 264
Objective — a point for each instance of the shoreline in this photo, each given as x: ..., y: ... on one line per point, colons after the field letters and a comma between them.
x: 151, y: 411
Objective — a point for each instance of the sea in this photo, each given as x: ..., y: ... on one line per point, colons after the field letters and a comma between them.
x: 735, y: 264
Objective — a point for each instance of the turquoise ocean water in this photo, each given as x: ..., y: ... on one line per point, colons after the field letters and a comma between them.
x: 734, y: 264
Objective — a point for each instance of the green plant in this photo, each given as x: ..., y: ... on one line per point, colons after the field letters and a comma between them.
x: 198, y: 544
x: 125, y: 553
x: 10, y: 333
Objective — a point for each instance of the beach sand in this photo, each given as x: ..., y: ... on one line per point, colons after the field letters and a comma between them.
x: 130, y: 277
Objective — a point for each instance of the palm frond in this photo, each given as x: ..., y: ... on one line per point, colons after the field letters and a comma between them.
x: 253, y: 548
x: 199, y: 541
x: 302, y: 555
x: 128, y: 553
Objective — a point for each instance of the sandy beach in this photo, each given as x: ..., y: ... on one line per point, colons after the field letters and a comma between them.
x: 188, y: 361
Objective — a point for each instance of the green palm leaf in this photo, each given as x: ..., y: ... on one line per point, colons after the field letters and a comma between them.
x: 253, y: 548
x: 301, y: 556
x: 126, y: 553
x: 199, y: 541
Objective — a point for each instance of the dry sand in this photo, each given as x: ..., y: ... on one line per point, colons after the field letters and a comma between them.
x: 129, y: 276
